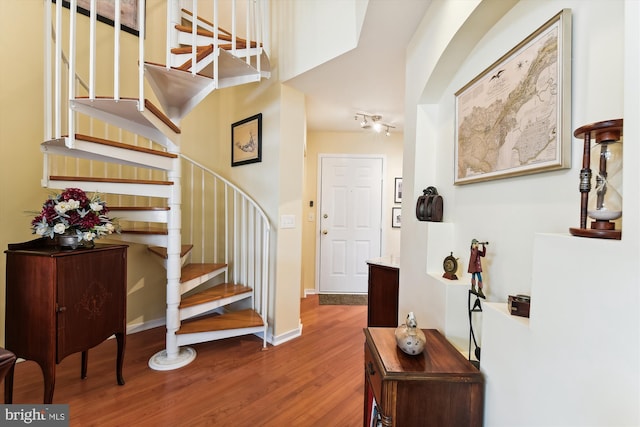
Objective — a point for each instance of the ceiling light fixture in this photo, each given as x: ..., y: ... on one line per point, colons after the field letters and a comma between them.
x: 375, y: 123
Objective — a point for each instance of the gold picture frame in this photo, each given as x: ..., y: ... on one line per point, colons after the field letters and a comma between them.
x: 246, y: 141
x: 514, y: 118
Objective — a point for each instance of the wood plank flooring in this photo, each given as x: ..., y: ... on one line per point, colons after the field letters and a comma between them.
x: 314, y: 380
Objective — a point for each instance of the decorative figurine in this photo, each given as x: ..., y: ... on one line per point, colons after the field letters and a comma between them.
x: 475, y: 266
x: 409, y: 337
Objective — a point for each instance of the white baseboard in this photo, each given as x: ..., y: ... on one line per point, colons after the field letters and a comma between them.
x: 139, y: 327
x: 308, y: 292
x: 287, y: 336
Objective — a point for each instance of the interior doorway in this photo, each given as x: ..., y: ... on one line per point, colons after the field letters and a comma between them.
x: 349, y: 220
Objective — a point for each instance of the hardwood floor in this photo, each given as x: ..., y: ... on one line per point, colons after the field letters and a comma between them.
x: 314, y: 380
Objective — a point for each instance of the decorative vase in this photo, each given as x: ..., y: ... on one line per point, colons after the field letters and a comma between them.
x: 409, y: 337
x: 72, y: 241
x: 68, y: 241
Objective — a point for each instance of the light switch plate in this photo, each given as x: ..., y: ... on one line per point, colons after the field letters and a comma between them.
x: 287, y: 221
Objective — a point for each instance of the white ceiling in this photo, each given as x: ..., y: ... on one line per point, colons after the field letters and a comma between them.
x: 369, y: 78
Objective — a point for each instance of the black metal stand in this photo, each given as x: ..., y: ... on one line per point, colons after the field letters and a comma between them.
x: 475, y: 308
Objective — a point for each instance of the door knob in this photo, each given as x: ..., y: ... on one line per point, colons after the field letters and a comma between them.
x: 325, y: 232
x: 325, y: 216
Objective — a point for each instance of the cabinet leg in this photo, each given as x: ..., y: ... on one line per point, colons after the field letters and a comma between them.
x: 49, y: 373
x: 8, y: 386
x: 83, y: 364
x: 120, y: 337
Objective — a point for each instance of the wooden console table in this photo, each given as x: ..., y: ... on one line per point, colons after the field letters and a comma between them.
x: 438, y: 387
x: 60, y: 302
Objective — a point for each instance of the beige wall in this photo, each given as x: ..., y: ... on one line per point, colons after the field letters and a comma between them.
x: 358, y: 142
x: 21, y: 130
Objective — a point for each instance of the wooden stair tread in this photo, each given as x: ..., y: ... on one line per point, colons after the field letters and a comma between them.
x: 155, y: 64
x: 109, y: 143
x: 233, y: 320
x: 199, y: 18
x: 240, y: 42
x: 191, y: 271
x: 215, y: 293
x: 162, y: 252
x: 159, y: 114
x: 187, y: 49
x: 199, y: 57
x: 112, y: 180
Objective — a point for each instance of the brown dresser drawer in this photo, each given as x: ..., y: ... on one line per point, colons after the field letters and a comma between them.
x: 373, y: 373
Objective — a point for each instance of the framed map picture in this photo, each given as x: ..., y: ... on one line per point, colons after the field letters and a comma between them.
x: 515, y: 117
x: 246, y: 141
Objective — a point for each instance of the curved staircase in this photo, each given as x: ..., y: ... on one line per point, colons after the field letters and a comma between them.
x: 218, y: 279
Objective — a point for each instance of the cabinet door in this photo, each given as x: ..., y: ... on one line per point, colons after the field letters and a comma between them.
x: 91, y: 299
x: 30, y: 306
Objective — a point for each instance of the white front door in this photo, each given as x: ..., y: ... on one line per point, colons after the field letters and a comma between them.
x: 350, y: 221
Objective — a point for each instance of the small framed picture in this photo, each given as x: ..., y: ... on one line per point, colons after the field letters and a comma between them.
x: 246, y: 141
x: 395, y: 217
x: 397, y: 193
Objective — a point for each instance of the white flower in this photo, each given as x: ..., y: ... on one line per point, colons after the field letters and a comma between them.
x: 73, y: 204
x: 97, y: 207
x: 88, y: 236
x: 41, y: 229
x: 62, y: 207
x: 59, y: 228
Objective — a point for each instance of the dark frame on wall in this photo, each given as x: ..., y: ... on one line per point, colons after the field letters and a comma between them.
x: 246, y: 141
x: 396, y: 217
x: 397, y: 191
x: 105, y: 13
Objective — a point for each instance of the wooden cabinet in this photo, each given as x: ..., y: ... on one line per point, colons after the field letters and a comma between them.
x: 383, y: 293
x: 60, y: 302
x: 438, y: 387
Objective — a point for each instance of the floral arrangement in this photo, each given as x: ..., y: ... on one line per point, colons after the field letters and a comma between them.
x: 72, y: 212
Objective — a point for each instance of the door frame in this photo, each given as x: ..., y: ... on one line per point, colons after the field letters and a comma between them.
x: 384, y: 218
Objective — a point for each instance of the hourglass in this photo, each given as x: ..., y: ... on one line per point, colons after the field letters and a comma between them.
x: 604, y: 205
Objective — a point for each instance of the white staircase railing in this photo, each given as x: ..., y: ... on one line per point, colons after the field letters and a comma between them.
x: 230, y: 227
x: 225, y: 225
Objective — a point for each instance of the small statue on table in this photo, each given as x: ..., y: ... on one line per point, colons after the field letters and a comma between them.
x: 475, y: 266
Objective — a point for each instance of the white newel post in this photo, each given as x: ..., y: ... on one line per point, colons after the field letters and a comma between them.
x: 173, y: 356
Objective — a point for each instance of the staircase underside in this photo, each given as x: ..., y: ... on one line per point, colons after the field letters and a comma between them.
x: 128, y: 114
x: 179, y: 90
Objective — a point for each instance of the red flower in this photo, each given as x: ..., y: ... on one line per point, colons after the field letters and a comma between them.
x: 75, y: 194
